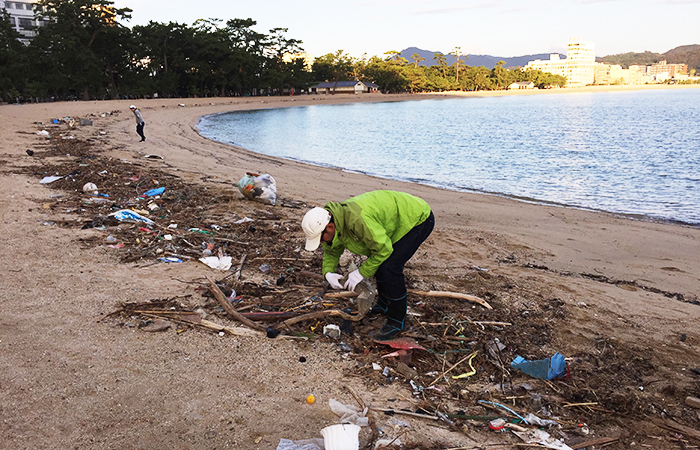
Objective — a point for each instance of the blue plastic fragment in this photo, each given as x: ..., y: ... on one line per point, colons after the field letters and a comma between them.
x: 170, y: 259
x: 545, y: 369
x: 126, y: 215
x: 153, y: 192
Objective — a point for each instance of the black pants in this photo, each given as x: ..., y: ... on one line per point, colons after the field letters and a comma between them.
x: 139, y: 130
x: 391, y: 284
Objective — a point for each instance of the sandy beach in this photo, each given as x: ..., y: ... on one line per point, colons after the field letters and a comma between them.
x: 617, y: 296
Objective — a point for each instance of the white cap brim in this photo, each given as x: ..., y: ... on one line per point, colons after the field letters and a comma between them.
x: 313, y: 243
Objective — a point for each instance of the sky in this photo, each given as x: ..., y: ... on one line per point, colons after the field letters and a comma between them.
x: 505, y: 28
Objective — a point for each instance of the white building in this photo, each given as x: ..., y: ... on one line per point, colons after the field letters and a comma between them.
x: 22, y: 18
x: 578, y: 67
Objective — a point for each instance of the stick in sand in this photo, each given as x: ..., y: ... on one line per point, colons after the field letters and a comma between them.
x: 457, y: 295
x: 221, y: 298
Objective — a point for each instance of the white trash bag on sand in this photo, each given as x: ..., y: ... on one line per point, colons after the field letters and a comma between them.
x: 259, y: 188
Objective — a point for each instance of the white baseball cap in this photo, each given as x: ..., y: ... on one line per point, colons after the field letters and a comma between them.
x: 313, y: 224
x: 132, y: 107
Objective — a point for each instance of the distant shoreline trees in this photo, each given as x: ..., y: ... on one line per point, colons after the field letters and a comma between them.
x: 84, y: 52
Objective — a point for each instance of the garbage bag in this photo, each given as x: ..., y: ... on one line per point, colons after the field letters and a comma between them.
x: 260, y: 188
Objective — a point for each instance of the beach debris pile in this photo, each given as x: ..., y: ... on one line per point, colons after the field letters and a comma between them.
x: 460, y: 358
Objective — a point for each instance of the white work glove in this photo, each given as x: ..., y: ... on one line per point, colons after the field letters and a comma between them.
x: 353, y: 279
x: 334, y: 280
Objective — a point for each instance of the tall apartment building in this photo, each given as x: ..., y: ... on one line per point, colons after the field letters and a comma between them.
x: 578, y: 67
x: 22, y: 18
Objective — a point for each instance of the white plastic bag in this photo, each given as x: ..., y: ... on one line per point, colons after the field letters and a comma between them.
x: 260, y: 188
x: 349, y: 413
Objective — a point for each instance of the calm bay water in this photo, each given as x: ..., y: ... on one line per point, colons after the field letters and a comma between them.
x: 632, y: 152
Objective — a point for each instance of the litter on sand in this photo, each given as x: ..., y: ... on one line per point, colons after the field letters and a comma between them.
x: 127, y: 215
x: 215, y: 262
x: 50, y: 179
x: 545, y: 369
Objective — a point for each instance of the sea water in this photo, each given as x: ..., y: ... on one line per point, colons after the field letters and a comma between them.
x: 628, y: 152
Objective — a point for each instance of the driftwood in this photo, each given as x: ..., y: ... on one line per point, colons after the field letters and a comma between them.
x: 269, y: 315
x: 234, y: 331
x: 341, y: 294
x: 692, y: 401
x: 221, y: 298
x: 318, y: 315
x: 358, y: 399
x: 237, y: 275
x: 406, y: 413
x: 309, y: 274
x: 668, y: 424
x: 457, y: 295
x: 592, y: 442
x: 190, y: 319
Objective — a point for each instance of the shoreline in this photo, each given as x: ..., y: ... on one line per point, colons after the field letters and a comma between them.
x: 572, y: 90
x: 329, y: 99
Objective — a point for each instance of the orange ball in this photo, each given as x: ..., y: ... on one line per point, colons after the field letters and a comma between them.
x: 310, y: 399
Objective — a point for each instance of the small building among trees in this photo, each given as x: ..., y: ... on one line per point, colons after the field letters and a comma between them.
x: 344, y: 87
x: 522, y: 85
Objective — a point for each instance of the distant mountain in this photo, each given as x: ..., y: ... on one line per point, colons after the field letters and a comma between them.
x: 474, y: 60
x: 685, y: 54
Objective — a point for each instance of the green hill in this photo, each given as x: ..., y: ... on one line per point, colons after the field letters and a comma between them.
x: 685, y: 54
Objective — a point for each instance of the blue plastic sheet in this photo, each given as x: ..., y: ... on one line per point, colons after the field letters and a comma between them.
x: 545, y: 369
x: 153, y: 192
x: 127, y: 215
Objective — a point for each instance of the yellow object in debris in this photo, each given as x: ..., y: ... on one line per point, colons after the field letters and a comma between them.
x: 310, y: 399
x: 468, y: 374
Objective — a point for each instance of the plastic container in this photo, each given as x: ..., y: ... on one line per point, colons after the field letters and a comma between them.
x: 343, y: 436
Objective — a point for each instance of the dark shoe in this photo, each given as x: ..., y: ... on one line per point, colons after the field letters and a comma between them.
x: 143, y: 140
x: 388, y: 331
x: 377, y: 311
x: 396, y: 318
x: 379, y: 308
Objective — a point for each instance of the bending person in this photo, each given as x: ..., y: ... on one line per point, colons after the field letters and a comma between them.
x: 387, y: 227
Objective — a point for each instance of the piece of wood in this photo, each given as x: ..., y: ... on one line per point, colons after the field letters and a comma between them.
x: 315, y: 275
x: 405, y: 413
x: 319, y: 315
x: 593, y: 442
x: 340, y: 294
x: 237, y: 275
x: 221, y: 298
x: 206, y: 324
x: 358, y: 399
x: 668, y: 424
x: 692, y: 401
x: 457, y: 295
x: 269, y: 315
x: 234, y: 331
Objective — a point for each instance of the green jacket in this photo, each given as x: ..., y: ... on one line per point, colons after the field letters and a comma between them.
x: 369, y: 225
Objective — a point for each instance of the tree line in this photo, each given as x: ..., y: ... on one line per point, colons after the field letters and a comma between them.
x: 85, y: 52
